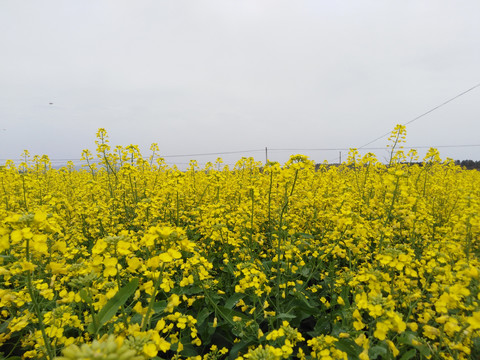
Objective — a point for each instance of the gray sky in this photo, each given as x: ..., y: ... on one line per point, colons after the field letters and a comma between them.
x: 222, y: 75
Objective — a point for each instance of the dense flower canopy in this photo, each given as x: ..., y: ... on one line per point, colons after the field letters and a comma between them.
x: 129, y: 256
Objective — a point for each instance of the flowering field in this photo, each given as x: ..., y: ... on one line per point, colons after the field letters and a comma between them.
x: 131, y: 259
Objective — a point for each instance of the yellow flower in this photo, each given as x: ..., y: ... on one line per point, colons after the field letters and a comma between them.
x: 133, y: 264
x: 26, y: 265
x: 165, y: 232
x: 138, y: 308
x: 150, y: 350
x: 4, y: 243
x: 57, y: 268
x: 364, y: 355
x: 148, y: 287
x: 40, y: 217
x: 165, y: 257
x: 413, y: 326
x: 187, y: 281
x: 17, y: 324
x: 474, y: 320
x: 39, y: 244
x: 175, y: 254
x: 16, y: 236
x: 99, y: 247
x: 160, y: 325
x: 430, y: 332
x: 123, y: 248
x: 110, y: 267
x: 381, y: 330
x: 173, y: 302
x: 392, y: 347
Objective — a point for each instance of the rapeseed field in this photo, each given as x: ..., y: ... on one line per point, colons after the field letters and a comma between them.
x: 129, y: 258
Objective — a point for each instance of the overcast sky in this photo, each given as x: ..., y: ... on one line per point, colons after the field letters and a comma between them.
x: 222, y: 75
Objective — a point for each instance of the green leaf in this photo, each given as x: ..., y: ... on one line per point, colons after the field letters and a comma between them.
x: 229, y: 313
x: 305, y: 271
x: 301, y: 305
x: 190, y: 290
x: 188, y: 349
x: 4, y: 326
x: 159, y: 306
x: 407, y: 337
x: 237, y: 347
x: 136, y: 319
x: 349, y: 346
x: 345, y: 296
x: 409, y: 354
x: 286, y: 316
x: 424, y: 350
x: 202, y: 315
x: 112, y: 306
x: 232, y: 300
x: 475, y: 354
x: 91, y: 328
x: 323, y: 326
x: 303, y: 300
x: 377, y: 351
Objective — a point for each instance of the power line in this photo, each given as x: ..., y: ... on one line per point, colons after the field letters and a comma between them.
x: 286, y: 149
x: 424, y: 114
x: 214, y: 153
x: 377, y: 148
x: 158, y: 155
x: 440, y: 146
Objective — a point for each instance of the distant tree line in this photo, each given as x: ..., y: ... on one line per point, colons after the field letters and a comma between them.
x: 468, y: 164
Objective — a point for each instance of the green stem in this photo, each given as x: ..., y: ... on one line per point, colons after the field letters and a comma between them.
x: 24, y: 192
x: 119, y: 285
x: 215, y: 306
x: 36, y: 307
x: 146, y: 318
x: 177, y: 205
x: 393, y: 149
x: 252, y: 195
x: 270, y: 209
x: 7, y: 207
x: 280, y: 237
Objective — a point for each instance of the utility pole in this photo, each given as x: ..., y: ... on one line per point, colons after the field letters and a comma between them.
x: 266, y: 155
x: 339, y: 157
